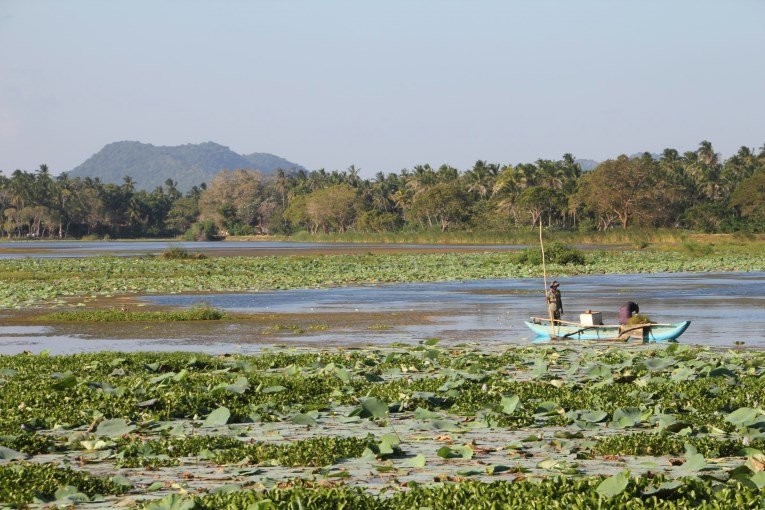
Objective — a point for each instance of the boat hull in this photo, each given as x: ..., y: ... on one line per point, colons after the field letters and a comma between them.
x: 652, y: 333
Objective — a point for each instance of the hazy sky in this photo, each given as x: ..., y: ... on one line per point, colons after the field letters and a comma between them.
x: 383, y: 85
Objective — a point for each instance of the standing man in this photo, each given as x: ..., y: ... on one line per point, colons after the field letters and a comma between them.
x: 554, y: 301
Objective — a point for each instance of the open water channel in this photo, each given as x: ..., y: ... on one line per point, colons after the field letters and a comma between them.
x: 724, y: 308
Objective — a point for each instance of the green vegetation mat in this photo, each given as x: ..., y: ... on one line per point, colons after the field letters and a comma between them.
x: 42, y: 483
x: 198, y: 313
x: 552, y: 493
x: 36, y: 281
x: 561, y: 426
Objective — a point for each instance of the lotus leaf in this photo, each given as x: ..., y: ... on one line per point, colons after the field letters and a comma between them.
x: 114, y: 428
x: 613, y: 485
x: 217, y: 418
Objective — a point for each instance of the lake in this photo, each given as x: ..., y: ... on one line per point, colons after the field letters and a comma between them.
x: 73, y: 249
x: 723, y: 307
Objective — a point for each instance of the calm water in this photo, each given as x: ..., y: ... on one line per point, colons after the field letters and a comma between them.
x: 724, y: 308
x: 69, y: 249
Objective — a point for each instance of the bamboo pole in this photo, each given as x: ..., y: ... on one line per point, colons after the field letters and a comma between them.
x: 544, y: 276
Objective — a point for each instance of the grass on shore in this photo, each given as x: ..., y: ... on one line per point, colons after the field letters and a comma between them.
x: 634, y: 237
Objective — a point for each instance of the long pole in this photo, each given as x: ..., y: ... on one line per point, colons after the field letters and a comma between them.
x: 544, y: 276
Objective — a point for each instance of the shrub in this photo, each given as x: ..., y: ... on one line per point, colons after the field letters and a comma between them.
x: 698, y: 250
x: 202, y: 231
x: 555, y: 253
x: 178, y: 253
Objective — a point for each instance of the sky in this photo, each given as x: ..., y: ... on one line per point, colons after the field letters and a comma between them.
x: 382, y: 85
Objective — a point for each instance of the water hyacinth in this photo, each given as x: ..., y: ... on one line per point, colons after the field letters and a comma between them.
x: 35, y: 281
x: 294, y: 423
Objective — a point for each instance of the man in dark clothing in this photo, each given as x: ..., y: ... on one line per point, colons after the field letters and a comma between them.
x: 628, y: 310
x: 554, y: 301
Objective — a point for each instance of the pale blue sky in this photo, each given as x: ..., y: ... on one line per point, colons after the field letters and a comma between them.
x: 383, y: 85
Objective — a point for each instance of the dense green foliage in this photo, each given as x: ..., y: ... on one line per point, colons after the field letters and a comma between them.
x: 695, y: 190
x: 653, y: 444
x: 401, y: 416
x: 37, y: 205
x: 552, y: 493
x: 316, y: 452
x: 181, y: 385
x: 23, y: 483
x: 555, y: 253
x: 30, y: 281
x: 178, y: 253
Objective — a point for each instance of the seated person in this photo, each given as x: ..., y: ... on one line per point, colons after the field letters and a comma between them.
x: 626, y: 311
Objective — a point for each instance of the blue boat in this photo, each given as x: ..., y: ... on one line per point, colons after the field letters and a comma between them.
x: 564, y: 330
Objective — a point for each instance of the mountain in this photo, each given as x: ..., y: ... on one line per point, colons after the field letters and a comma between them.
x: 268, y: 163
x: 587, y: 164
x: 189, y: 165
x: 640, y: 155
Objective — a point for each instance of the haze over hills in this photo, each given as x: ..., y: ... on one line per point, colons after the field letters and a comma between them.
x: 587, y: 164
x: 189, y: 165
x: 590, y: 164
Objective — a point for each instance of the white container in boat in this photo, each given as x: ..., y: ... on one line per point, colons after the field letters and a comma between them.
x: 590, y: 318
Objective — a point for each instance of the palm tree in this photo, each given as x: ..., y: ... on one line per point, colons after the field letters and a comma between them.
x: 422, y: 178
x: 281, y: 185
x: 707, y: 154
x: 738, y: 167
x: 353, y: 176
x: 571, y: 171
x: 128, y: 184
x: 708, y: 170
x: 480, y: 178
x: 551, y: 173
x: 447, y: 173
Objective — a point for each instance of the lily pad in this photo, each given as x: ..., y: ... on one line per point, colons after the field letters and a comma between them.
x: 593, y: 416
x: 416, y: 462
x: 374, y: 407
x: 9, y: 454
x: 217, y: 418
x: 613, y: 485
x: 510, y: 404
x: 114, y: 428
x: 304, y: 419
x: 743, y: 416
x: 454, y: 452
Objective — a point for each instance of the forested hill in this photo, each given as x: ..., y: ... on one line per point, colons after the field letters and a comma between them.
x: 189, y: 165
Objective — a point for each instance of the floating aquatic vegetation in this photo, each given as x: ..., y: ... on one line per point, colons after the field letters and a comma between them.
x: 382, y: 418
x: 615, y: 492
x: 26, y: 483
x: 197, y: 313
x: 36, y: 281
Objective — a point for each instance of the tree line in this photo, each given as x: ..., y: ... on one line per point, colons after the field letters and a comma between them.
x: 695, y: 190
